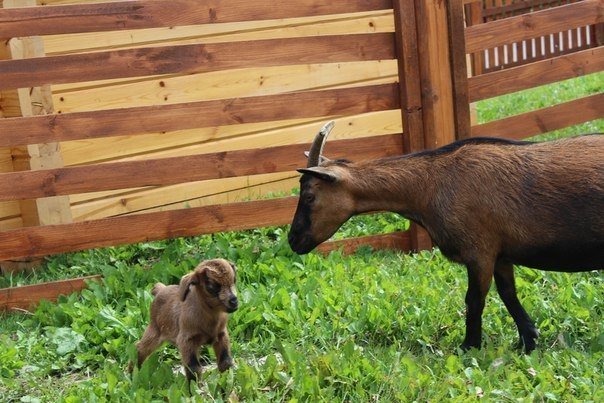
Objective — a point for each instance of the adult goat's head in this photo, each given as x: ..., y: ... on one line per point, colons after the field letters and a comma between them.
x: 325, y: 202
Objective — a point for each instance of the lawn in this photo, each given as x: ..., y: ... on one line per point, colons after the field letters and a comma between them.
x: 380, y: 326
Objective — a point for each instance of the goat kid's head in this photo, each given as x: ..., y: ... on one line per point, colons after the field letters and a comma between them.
x: 214, y: 280
x: 325, y: 202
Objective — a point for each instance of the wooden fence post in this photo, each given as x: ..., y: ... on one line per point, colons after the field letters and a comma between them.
x: 411, y: 96
x: 459, y: 69
x: 30, y: 102
x: 435, y: 73
x: 432, y: 74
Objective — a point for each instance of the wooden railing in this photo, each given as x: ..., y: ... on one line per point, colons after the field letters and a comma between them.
x: 157, y: 63
x: 548, y: 21
x: 555, y: 31
x: 59, y: 104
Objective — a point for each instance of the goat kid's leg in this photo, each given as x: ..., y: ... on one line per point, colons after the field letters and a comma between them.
x: 190, y: 359
x: 506, y: 287
x: 222, y: 349
x: 150, y: 341
x: 191, y: 363
x: 479, y: 281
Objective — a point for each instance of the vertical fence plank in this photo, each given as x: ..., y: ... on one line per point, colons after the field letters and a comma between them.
x: 459, y: 69
x: 498, y: 60
x: 411, y: 96
x: 473, y: 13
x: 409, y: 75
x: 38, y: 101
x: 599, y: 34
x: 436, y: 77
x: 476, y: 61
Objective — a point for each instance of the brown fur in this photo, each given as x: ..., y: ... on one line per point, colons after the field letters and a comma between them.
x: 193, y: 314
x: 487, y: 203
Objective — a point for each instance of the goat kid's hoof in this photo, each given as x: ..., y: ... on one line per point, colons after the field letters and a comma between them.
x: 194, y: 380
x: 225, y: 364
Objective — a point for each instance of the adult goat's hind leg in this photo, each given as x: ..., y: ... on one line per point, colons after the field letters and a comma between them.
x: 479, y: 281
x: 506, y: 287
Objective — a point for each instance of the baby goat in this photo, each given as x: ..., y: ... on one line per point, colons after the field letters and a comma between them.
x: 487, y: 203
x: 193, y: 314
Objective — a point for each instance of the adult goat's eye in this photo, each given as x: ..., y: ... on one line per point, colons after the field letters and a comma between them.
x: 309, y: 198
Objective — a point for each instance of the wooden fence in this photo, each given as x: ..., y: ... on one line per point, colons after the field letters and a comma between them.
x: 527, y: 50
x: 148, y: 119
x: 560, y: 41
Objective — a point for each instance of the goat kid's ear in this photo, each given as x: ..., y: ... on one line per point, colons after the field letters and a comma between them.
x: 187, y: 281
x: 234, y: 267
x: 320, y: 173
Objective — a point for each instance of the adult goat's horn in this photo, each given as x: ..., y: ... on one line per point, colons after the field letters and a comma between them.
x: 316, y: 150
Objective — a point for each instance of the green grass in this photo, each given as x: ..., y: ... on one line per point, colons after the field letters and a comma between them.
x: 381, y: 325
x: 544, y: 96
x: 373, y: 326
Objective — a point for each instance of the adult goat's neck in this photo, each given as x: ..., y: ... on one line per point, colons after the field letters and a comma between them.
x: 399, y: 185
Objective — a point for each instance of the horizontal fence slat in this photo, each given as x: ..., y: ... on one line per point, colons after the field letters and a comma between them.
x: 534, y: 74
x: 538, y: 23
x: 394, y: 241
x: 197, y: 58
x: 25, y: 297
x: 170, y: 171
x: 154, y: 119
x: 52, y: 239
x: 544, y: 120
x: 123, y: 15
x: 518, y: 7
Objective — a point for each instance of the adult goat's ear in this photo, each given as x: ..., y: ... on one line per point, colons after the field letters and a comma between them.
x: 187, y: 281
x: 320, y: 173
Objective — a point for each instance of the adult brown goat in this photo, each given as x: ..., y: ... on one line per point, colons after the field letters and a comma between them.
x: 487, y: 203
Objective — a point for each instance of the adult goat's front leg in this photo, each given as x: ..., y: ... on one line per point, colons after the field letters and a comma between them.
x: 506, y: 287
x: 479, y: 281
